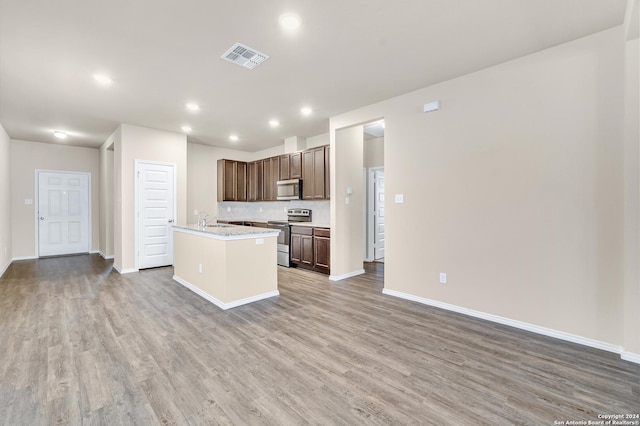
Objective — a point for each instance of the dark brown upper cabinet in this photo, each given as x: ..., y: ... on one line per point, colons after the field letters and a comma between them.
x: 232, y: 180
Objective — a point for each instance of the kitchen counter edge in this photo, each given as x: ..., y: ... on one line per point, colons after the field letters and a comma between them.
x: 231, y: 233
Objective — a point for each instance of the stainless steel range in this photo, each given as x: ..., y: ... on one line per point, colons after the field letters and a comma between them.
x: 284, y: 238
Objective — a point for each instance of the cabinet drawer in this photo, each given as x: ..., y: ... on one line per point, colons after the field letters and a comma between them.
x: 302, y: 230
x: 322, y: 232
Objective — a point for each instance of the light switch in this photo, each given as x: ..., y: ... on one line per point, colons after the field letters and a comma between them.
x: 347, y: 200
x: 259, y: 241
x: 28, y: 201
x: 399, y: 198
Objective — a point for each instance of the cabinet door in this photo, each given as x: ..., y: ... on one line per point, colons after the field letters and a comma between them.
x: 306, y: 257
x: 284, y: 167
x: 318, y: 173
x: 241, y: 181
x: 295, y: 165
x: 322, y: 247
x: 251, y: 175
x: 296, y: 248
x: 327, y: 186
x: 274, y: 163
x: 266, y: 182
x: 229, y: 180
x: 308, y: 176
x: 254, y: 181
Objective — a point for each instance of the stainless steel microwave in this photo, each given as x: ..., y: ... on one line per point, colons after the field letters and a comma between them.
x: 290, y: 189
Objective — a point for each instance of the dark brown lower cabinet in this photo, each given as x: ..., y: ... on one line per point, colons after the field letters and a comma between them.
x: 310, y: 248
x: 322, y: 249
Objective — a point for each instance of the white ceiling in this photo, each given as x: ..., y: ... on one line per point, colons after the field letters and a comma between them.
x: 164, y: 53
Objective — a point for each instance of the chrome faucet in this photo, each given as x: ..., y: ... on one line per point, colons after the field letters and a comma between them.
x: 203, y: 222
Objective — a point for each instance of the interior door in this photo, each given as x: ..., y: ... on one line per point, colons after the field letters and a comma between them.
x: 63, y: 213
x: 378, y: 205
x: 156, y: 209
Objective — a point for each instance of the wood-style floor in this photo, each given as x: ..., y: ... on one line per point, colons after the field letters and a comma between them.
x: 80, y: 344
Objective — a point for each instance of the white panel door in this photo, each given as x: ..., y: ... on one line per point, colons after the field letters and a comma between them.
x: 378, y: 205
x: 156, y: 206
x: 63, y: 213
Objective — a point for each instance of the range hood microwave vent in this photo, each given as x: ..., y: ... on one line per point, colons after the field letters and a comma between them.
x: 244, y: 56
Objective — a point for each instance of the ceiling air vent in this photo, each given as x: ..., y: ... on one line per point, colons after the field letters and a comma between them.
x: 244, y: 56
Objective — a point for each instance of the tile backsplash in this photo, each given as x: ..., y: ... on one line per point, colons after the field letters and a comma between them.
x: 274, y: 210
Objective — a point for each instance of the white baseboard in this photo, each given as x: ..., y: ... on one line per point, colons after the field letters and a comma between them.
x: 221, y: 304
x: 24, y: 258
x: 104, y: 256
x: 345, y: 276
x: 123, y: 271
x: 5, y: 268
x: 518, y: 324
x: 94, y: 251
x: 630, y: 356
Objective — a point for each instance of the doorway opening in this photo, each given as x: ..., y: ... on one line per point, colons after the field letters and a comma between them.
x: 63, y: 220
x: 373, y: 179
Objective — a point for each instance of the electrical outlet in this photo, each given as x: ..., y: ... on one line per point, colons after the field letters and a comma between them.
x: 195, y: 212
x: 259, y: 241
x: 443, y: 278
x: 228, y: 209
x: 260, y: 208
x: 200, y: 267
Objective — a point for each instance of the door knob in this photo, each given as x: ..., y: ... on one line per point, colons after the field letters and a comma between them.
x: 170, y: 220
x: 41, y: 218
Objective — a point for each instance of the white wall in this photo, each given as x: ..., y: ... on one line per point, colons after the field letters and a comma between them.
x: 318, y: 140
x: 141, y: 143
x: 5, y: 200
x: 632, y: 199
x: 514, y: 188
x: 26, y: 157
x: 374, y: 152
x: 346, y: 219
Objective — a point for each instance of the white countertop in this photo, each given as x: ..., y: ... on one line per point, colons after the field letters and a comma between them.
x: 228, y: 232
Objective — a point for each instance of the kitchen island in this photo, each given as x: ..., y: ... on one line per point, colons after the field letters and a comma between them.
x: 228, y: 265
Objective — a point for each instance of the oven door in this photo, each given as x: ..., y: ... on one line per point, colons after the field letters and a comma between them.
x: 284, y: 239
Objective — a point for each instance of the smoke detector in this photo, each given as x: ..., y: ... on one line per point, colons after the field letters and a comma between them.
x: 244, y: 56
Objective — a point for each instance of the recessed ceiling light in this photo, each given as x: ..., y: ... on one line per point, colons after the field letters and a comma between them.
x: 102, y: 79
x: 60, y: 135
x: 290, y: 21
x: 233, y: 138
x: 306, y: 111
x: 193, y: 107
x: 274, y: 123
x: 186, y: 129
